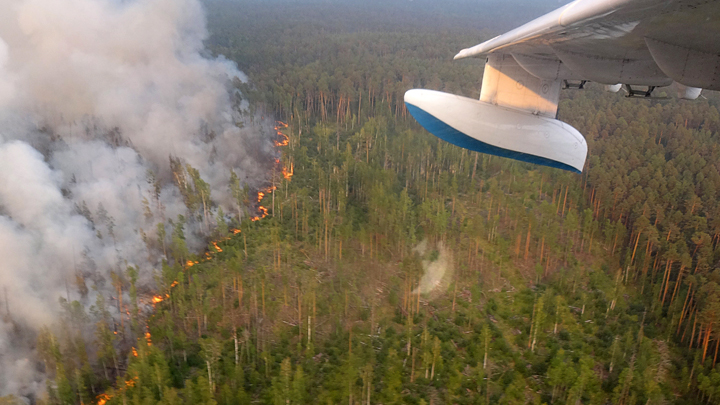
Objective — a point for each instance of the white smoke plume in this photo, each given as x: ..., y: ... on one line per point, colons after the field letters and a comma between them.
x: 93, y: 94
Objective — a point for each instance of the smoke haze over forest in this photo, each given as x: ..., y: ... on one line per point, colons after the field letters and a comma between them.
x: 392, y: 267
x: 94, y: 95
x: 490, y: 16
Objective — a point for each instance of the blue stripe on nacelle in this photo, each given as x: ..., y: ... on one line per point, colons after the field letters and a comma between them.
x: 455, y: 137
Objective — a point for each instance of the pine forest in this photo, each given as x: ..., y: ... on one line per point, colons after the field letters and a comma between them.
x: 381, y: 265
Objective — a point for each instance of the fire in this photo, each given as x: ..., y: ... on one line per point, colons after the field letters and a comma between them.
x: 208, y: 254
x: 102, y: 399
x: 263, y: 214
x: 262, y: 211
x: 156, y: 299
x: 287, y: 174
x: 285, y: 140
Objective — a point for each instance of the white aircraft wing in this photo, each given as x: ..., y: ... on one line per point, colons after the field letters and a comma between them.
x: 641, y: 44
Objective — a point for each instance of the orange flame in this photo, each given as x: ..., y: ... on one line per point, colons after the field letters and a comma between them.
x: 284, y: 142
x: 287, y: 174
x: 265, y: 191
x: 263, y: 214
x: 235, y: 231
x: 134, y: 352
x: 156, y: 299
x: 174, y: 283
x: 102, y: 399
x: 217, y: 247
x: 148, y: 337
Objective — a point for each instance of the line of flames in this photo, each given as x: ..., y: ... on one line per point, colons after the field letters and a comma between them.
x: 103, y: 398
x: 156, y: 299
x: 287, y: 173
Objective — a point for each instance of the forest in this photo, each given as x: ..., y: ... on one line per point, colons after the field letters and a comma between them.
x: 381, y: 265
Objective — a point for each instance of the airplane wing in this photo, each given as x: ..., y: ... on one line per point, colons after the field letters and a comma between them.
x: 639, y: 44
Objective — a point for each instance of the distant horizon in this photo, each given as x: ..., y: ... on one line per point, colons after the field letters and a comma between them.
x: 408, y: 14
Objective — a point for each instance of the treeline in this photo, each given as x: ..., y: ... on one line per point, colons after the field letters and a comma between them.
x: 304, y: 65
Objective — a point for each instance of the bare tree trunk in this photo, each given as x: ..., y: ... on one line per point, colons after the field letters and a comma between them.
x: 309, y: 335
x: 236, y: 345
x: 210, y: 382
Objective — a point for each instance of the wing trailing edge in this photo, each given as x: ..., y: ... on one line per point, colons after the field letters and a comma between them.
x: 633, y: 42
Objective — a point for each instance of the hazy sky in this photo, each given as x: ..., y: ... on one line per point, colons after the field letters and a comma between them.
x: 494, y: 16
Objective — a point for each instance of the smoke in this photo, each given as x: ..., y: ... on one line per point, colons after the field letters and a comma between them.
x: 94, y: 95
x: 6, y: 87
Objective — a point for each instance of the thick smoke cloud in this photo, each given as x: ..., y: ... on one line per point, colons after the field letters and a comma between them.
x: 93, y: 95
x: 6, y: 87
